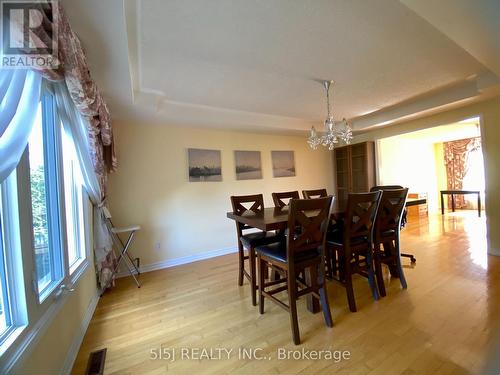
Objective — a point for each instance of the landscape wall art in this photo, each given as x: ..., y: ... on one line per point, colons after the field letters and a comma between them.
x: 248, y: 165
x: 204, y: 165
x: 283, y: 163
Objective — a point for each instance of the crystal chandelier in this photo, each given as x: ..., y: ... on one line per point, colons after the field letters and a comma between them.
x: 333, y: 131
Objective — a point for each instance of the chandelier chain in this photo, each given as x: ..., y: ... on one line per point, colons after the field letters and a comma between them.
x: 327, y: 86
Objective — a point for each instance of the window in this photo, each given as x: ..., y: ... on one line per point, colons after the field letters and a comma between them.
x: 74, y: 203
x: 474, y: 175
x: 43, y: 228
x: 44, y: 198
x: 57, y: 201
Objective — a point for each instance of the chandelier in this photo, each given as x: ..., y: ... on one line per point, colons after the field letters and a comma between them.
x: 333, y: 131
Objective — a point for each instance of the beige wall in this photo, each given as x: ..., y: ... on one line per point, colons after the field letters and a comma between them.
x: 151, y: 186
x: 397, y: 164
x: 489, y: 111
x: 442, y: 184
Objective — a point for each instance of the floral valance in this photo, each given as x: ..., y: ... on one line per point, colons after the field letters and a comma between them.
x: 74, y: 71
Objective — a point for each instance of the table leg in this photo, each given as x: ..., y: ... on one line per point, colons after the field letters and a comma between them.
x: 312, y: 302
x: 479, y: 204
x: 452, y: 203
x: 442, y: 204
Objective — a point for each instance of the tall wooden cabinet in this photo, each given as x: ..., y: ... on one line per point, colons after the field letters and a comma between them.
x: 354, y: 170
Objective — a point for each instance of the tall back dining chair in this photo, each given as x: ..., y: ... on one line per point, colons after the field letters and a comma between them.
x: 404, y: 217
x: 321, y: 193
x: 282, y: 199
x: 353, y: 245
x: 386, y: 234
x: 301, y: 251
x: 248, y: 241
x: 132, y: 264
x: 317, y: 193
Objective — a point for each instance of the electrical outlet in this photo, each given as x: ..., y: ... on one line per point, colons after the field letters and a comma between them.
x: 158, y: 245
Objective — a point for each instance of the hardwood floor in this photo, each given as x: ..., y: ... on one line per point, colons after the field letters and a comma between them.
x: 443, y: 324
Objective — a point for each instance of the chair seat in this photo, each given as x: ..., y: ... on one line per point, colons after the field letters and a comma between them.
x: 131, y: 228
x: 258, y: 238
x: 277, y: 251
x: 387, y: 233
x: 336, y: 238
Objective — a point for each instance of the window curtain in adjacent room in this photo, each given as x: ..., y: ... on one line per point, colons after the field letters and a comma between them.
x: 93, y: 133
x: 455, y: 160
x: 19, y: 98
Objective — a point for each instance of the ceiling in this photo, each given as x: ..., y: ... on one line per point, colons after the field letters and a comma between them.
x: 468, y: 128
x: 255, y: 65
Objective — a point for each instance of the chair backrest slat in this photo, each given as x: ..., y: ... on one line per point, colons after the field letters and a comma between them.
x: 394, y: 187
x: 307, y: 224
x: 360, y: 215
x: 311, y: 194
x: 390, y: 212
x: 278, y: 198
x: 255, y: 203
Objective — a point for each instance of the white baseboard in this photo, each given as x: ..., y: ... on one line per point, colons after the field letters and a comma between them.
x: 78, y: 339
x: 494, y: 252
x: 182, y: 260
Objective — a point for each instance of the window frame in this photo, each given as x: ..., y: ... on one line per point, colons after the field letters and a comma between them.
x: 63, y: 272
x: 53, y: 190
x: 13, y: 262
x: 79, y: 198
x: 6, y: 303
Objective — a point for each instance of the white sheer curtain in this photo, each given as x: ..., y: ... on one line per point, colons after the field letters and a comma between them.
x: 19, y: 98
x: 77, y: 129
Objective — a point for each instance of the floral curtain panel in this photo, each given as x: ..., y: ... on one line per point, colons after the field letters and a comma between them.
x: 455, y: 160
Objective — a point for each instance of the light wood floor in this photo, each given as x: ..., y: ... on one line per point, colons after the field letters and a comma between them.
x: 442, y: 324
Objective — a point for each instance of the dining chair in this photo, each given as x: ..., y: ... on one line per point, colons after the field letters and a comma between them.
x: 311, y: 194
x: 301, y: 251
x: 321, y: 193
x: 404, y: 215
x: 386, y: 237
x: 278, y: 198
x: 248, y: 241
x: 353, y: 245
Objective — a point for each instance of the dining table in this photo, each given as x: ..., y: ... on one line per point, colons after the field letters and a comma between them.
x: 276, y: 218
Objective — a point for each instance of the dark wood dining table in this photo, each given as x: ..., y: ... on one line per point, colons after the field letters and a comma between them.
x: 273, y: 218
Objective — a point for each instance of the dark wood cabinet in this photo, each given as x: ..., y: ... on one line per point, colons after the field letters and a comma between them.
x: 354, y: 170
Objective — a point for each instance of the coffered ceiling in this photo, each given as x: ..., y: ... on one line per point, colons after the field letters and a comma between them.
x: 255, y: 64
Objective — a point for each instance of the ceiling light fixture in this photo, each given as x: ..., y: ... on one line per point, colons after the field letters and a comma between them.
x: 333, y: 131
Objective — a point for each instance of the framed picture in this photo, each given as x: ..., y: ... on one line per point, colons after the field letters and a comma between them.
x: 204, y: 165
x: 248, y: 165
x: 283, y: 163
